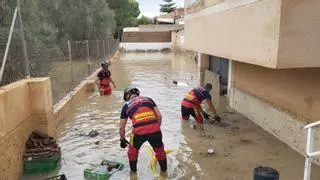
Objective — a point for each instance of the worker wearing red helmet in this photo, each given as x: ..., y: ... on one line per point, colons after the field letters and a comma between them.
x: 146, y: 121
x: 190, y: 105
x: 104, y: 79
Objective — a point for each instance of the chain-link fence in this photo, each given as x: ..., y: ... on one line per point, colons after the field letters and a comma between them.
x: 67, y: 63
x: 68, y: 71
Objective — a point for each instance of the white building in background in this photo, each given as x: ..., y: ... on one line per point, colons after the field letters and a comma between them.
x: 146, y: 38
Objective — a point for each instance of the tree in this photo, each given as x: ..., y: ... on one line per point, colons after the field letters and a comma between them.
x: 144, y: 20
x: 126, y: 12
x: 168, y: 7
x: 83, y: 19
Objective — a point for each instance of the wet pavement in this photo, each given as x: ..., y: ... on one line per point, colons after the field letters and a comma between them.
x: 239, y: 144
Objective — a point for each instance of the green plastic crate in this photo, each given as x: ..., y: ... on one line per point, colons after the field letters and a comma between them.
x: 97, y: 174
x: 41, y: 165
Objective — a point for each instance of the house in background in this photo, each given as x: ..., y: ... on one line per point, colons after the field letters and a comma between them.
x: 155, y: 37
x: 175, y: 17
x: 265, y: 54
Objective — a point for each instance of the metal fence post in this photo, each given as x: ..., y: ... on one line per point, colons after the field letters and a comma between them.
x: 88, y: 57
x: 70, y: 59
x: 23, y: 41
x: 5, y: 57
x: 104, y: 49
x: 108, y: 47
x: 98, y: 49
x: 112, y: 47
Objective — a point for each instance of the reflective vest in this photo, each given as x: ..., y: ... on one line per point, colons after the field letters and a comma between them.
x: 193, y: 98
x: 106, y: 79
x: 144, y: 119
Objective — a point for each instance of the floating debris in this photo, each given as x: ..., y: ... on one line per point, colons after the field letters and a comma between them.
x: 210, y: 151
x: 93, y: 133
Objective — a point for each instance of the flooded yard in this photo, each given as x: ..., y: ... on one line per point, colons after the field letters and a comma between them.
x: 239, y: 144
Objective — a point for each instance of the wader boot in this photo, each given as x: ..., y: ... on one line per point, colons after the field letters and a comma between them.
x: 133, y: 166
x: 163, y: 165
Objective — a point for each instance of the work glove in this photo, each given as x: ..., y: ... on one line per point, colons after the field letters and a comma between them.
x: 205, y: 115
x: 123, y: 143
x: 217, y: 118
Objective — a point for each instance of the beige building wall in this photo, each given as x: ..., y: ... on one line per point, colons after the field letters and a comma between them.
x: 299, y: 39
x: 269, y: 33
x: 280, y: 101
x: 275, y: 48
x: 295, y: 90
x: 247, y: 34
x: 203, y: 65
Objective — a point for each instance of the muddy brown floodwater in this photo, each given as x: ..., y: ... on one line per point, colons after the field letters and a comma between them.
x: 239, y: 144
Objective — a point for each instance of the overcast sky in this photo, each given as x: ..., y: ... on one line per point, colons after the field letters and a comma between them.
x: 151, y: 8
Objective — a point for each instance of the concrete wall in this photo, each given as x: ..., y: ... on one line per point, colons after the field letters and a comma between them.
x: 147, y: 36
x: 295, y: 90
x: 159, y: 28
x: 281, y: 124
x: 131, y: 46
x: 177, y: 41
x: 269, y: 33
x: 203, y: 65
x: 25, y: 106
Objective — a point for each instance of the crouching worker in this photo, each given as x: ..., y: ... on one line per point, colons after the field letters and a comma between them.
x: 104, y: 79
x: 146, y: 121
x: 191, y: 104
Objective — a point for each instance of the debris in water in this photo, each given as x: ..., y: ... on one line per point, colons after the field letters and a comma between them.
x: 266, y: 172
x: 245, y: 141
x: 97, y: 143
x: 93, y: 133
x: 59, y: 177
x: 210, y: 151
x: 180, y: 83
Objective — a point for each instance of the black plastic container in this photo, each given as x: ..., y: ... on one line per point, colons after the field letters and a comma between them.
x: 265, y: 173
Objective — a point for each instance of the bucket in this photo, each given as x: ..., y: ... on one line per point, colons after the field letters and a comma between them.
x: 265, y: 173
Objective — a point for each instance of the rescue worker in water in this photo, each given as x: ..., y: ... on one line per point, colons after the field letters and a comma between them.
x: 146, y: 121
x: 190, y: 105
x: 104, y: 79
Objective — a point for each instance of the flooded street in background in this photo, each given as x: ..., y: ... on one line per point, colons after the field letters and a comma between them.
x: 240, y: 145
x: 153, y: 76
